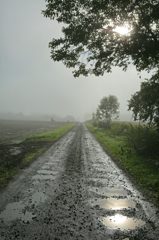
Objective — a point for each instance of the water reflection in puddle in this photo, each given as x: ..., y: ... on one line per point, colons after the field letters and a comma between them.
x: 112, y: 191
x: 115, y: 192
x: 122, y: 222
x: 115, y: 204
x: 16, y: 210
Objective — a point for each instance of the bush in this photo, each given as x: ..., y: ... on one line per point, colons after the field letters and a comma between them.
x: 119, y: 128
x: 144, y: 139
x: 102, y: 124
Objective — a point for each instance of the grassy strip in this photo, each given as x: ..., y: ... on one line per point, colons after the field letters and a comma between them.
x: 143, y: 170
x: 6, y: 174
x: 7, y: 171
x: 29, y: 157
x: 50, y: 136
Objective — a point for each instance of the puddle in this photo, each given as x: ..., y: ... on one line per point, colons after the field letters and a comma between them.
x: 53, y: 160
x: 44, y: 177
x: 112, y: 192
x: 15, y: 150
x: 51, y: 165
x: 102, y: 168
x: 102, y: 173
x: 45, y: 172
x: 122, y: 222
x: 115, y: 192
x: 115, y: 204
x: 16, y: 210
x: 37, y: 198
x: 97, y: 181
x: 17, y: 141
x: 48, y: 167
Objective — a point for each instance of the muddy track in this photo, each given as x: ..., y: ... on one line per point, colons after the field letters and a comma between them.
x: 74, y: 191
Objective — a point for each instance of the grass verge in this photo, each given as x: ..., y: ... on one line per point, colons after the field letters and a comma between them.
x: 50, y: 136
x: 144, y: 171
x: 31, y: 148
x: 29, y: 157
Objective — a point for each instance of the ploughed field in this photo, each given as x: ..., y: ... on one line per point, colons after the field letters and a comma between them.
x: 15, y: 131
x: 74, y: 191
x: 13, y: 148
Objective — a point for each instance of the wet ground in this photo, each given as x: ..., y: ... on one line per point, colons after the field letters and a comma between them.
x: 74, y: 191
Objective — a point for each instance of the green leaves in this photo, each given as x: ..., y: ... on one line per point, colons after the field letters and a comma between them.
x: 108, y: 109
x: 144, y: 139
x: 87, y: 24
x: 145, y: 103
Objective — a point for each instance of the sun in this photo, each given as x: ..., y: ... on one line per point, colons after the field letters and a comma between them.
x: 122, y: 30
x: 118, y: 218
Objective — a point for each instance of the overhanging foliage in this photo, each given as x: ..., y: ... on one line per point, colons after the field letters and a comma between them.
x: 89, y: 30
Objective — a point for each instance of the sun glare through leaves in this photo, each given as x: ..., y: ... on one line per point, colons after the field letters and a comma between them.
x: 122, y: 30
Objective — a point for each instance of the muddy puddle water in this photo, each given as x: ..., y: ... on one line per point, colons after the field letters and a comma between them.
x: 15, y: 211
x: 46, y: 172
x: 15, y: 150
x: 121, y: 222
x: 45, y: 175
x: 114, y: 204
x: 37, y: 198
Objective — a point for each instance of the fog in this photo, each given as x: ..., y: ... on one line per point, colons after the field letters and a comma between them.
x: 30, y: 82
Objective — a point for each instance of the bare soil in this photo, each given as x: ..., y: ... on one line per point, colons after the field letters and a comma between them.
x: 75, y: 191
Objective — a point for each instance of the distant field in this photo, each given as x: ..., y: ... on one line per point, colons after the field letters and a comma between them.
x: 14, y: 131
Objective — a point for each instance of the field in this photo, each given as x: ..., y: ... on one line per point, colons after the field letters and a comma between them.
x: 21, y: 142
x: 15, y: 131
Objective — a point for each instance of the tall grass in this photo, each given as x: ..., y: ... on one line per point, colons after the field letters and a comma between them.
x: 135, y: 148
x: 144, y: 139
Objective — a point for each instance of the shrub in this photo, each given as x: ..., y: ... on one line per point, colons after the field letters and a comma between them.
x: 144, y: 139
x: 119, y: 128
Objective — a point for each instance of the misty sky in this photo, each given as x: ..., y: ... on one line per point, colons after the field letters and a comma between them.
x: 31, y: 82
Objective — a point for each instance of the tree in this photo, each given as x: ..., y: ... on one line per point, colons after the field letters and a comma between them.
x: 90, y: 43
x: 108, y: 109
x: 145, y: 103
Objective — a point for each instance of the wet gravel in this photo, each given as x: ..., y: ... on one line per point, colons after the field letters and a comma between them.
x: 75, y: 191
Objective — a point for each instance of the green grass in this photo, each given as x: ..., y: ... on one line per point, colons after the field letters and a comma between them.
x: 6, y: 174
x: 29, y: 157
x: 50, y: 136
x: 7, y: 171
x: 144, y: 170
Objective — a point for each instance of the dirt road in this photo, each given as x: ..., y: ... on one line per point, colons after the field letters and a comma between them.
x: 74, y: 191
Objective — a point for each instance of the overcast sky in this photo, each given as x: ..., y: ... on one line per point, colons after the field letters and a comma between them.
x: 31, y: 82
